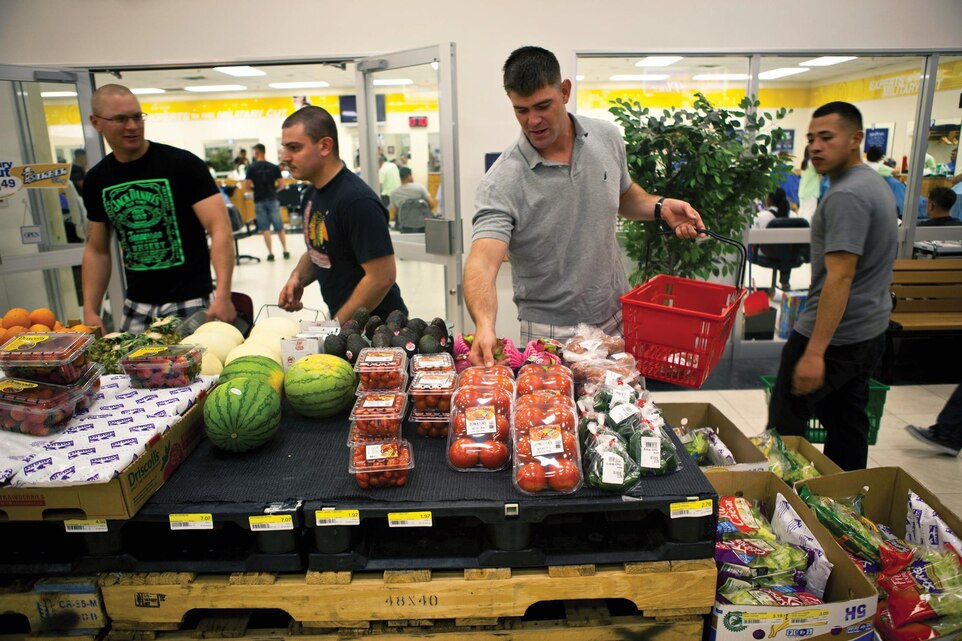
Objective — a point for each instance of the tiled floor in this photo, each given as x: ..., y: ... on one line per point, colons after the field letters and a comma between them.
x: 422, y: 284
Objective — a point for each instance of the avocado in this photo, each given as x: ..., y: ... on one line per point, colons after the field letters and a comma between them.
x: 409, y: 334
x: 409, y: 346
x: 362, y: 315
x: 355, y: 343
x: 398, y: 317
x: 372, y: 324
x: 382, y: 339
x: 335, y: 345
x: 417, y: 325
x: 428, y: 345
x: 350, y: 327
x: 394, y: 327
x: 442, y: 331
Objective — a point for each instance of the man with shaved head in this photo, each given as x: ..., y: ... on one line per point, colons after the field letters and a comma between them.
x: 162, y: 203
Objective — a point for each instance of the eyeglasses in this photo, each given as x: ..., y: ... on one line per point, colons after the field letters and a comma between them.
x: 122, y: 119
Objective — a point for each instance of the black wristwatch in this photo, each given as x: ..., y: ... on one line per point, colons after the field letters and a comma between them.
x: 658, y: 208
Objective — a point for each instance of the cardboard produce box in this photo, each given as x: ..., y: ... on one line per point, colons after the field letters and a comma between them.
x: 121, y: 497
x: 886, y: 500
x: 747, y: 456
x: 850, y: 599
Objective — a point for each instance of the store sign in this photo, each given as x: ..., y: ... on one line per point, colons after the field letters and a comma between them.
x: 13, y: 178
x: 30, y: 235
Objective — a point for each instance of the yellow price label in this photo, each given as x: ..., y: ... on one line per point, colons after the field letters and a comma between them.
x: 271, y: 522
x: 26, y: 341
x: 85, y: 525
x: 147, y: 351
x: 409, y: 519
x: 691, y: 509
x: 328, y: 517
x: 191, y: 521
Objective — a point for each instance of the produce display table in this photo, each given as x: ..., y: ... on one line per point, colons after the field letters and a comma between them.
x: 477, y: 519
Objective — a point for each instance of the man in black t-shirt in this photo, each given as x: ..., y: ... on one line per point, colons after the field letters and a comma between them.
x: 264, y: 178
x: 162, y: 202
x: 938, y: 208
x: 349, y: 249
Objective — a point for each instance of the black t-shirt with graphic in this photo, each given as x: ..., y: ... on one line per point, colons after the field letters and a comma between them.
x: 264, y: 176
x: 149, y: 203
x: 344, y: 228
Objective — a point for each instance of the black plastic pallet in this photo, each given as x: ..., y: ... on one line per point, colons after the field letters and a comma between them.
x: 147, y: 543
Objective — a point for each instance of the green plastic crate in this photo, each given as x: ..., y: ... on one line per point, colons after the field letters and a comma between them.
x: 876, y: 404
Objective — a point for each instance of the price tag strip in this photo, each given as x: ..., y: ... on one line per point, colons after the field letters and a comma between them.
x: 409, y: 519
x: 83, y: 526
x: 690, y: 509
x: 271, y: 522
x: 191, y: 521
x: 329, y: 516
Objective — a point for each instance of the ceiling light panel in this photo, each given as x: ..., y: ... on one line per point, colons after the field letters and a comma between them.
x: 781, y: 72
x: 658, y: 61
x: 826, y: 61
x: 720, y: 76
x: 241, y: 71
x: 58, y: 94
x: 147, y: 91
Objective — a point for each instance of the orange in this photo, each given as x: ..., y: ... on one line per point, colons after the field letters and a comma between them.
x: 17, y: 316
x: 39, y: 327
x: 16, y: 329
x: 3, y: 335
x: 81, y: 328
x: 42, y: 316
x: 57, y: 326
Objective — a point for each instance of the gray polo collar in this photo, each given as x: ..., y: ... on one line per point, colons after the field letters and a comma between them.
x: 534, y: 158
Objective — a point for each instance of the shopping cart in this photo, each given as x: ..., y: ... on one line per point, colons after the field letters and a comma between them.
x: 676, y: 327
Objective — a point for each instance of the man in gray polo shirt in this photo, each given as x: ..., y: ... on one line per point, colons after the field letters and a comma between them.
x: 840, y: 336
x: 549, y: 203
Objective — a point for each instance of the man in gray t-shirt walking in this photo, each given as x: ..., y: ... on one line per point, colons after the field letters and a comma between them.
x: 840, y: 336
x: 549, y: 203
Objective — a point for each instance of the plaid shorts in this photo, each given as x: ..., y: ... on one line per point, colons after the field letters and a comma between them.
x: 137, y: 316
x: 530, y: 331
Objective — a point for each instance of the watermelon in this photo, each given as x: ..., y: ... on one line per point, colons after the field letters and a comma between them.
x: 242, y: 415
x: 260, y: 367
x: 319, y: 385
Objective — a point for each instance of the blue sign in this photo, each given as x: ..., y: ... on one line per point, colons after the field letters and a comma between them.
x: 877, y: 138
x: 787, y: 144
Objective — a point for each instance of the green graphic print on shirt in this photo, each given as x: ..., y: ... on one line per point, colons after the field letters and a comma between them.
x: 143, y: 213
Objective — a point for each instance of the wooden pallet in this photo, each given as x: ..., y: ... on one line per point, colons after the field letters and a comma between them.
x: 583, y: 620
x: 55, y: 604
x: 663, y: 590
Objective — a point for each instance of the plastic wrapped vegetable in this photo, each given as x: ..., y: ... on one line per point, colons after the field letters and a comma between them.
x: 739, y: 518
x: 911, y: 606
x: 931, y: 629
x: 743, y: 593
x: 856, y: 533
x: 718, y: 452
x: 777, y: 462
x: 608, y: 465
x: 750, y: 558
x: 624, y: 419
x: 925, y: 528
x: 652, y: 450
x: 790, y: 528
x: 932, y: 572
x: 800, y: 468
x: 695, y: 441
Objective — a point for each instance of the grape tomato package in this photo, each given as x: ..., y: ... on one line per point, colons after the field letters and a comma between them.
x: 381, y: 368
x: 442, y: 362
x: 430, y: 394
x: 157, y: 366
x: 55, y: 357
x: 379, y: 413
x: 381, y: 464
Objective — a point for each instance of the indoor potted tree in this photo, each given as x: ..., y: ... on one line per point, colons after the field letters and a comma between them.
x: 718, y: 160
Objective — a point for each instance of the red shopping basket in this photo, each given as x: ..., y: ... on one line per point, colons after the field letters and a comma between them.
x: 677, y: 328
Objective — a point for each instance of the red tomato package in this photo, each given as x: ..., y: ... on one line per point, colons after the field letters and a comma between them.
x: 378, y: 414
x: 382, y: 464
x: 479, y: 429
x: 556, y: 378
x: 547, y: 455
x: 430, y: 394
x: 495, y: 376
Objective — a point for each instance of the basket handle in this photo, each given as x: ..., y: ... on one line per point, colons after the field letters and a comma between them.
x: 742, y: 252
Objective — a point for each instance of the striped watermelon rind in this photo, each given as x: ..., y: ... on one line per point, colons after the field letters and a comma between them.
x: 319, y: 385
x: 242, y: 414
x: 254, y: 367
